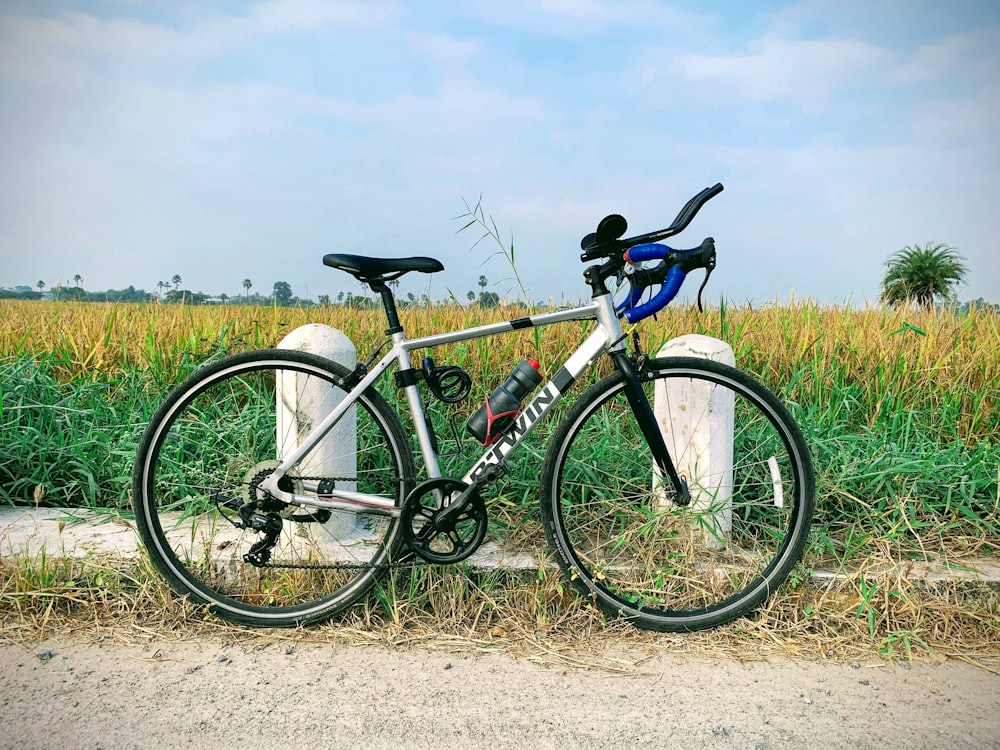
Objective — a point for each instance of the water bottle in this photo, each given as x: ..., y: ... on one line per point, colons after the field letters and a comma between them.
x: 498, y: 412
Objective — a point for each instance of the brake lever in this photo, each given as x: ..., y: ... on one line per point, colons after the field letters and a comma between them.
x: 631, y: 298
x: 708, y: 272
x: 708, y: 253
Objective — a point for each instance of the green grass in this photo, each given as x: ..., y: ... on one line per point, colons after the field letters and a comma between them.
x: 900, y: 408
x: 69, y: 443
x: 898, y: 479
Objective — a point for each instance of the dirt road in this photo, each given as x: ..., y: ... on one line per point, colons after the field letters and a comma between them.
x: 205, y: 694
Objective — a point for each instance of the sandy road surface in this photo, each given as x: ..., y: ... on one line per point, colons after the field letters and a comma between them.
x: 62, y: 694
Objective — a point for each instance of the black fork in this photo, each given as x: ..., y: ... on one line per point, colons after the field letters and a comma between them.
x: 650, y: 430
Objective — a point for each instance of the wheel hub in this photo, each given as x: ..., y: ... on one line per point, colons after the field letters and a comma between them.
x: 252, y: 492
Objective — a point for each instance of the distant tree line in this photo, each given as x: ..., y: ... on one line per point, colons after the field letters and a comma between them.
x: 977, y: 304
x: 281, y: 295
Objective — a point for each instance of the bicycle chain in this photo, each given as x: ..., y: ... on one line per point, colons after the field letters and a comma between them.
x: 344, y: 566
x: 337, y: 479
x: 349, y: 566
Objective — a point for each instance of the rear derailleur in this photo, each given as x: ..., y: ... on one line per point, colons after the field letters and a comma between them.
x: 261, y: 512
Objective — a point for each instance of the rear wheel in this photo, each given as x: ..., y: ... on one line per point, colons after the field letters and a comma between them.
x: 621, y: 537
x: 217, y: 536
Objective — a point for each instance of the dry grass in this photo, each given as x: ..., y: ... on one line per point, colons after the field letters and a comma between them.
x: 534, y: 617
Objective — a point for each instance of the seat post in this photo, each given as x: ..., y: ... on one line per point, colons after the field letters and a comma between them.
x: 389, y: 303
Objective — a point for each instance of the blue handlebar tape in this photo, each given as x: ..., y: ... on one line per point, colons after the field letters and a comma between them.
x: 671, y: 285
x: 635, y: 294
x: 649, y: 251
x: 638, y: 254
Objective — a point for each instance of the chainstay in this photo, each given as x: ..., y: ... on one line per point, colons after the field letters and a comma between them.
x: 401, y: 565
x: 342, y: 479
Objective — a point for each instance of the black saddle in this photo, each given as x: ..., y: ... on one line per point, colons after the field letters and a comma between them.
x: 380, y: 269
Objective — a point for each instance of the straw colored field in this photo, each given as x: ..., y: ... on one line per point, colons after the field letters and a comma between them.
x: 865, y: 366
x: 900, y: 407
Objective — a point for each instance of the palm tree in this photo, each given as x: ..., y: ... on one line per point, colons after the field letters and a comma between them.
x: 922, y: 274
x: 77, y: 278
x: 246, y: 285
x: 40, y: 285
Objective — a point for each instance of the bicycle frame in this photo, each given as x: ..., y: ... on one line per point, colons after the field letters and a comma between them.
x: 607, y: 337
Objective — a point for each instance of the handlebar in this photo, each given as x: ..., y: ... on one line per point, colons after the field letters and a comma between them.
x: 672, y: 282
x: 669, y: 273
x: 606, y: 242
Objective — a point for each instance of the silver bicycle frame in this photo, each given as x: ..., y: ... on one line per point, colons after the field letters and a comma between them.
x: 606, y: 337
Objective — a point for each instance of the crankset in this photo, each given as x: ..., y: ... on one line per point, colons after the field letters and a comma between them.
x: 437, y: 532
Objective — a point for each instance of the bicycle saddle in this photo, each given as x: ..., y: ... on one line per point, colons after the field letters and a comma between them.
x: 369, y: 269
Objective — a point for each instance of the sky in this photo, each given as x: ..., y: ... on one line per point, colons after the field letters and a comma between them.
x: 229, y: 140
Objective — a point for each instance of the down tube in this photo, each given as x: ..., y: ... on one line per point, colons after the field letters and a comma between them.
x: 539, y: 406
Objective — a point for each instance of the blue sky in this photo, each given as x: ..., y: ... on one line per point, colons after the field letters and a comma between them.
x: 226, y: 140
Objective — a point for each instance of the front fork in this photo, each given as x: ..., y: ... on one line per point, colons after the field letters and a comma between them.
x: 650, y: 430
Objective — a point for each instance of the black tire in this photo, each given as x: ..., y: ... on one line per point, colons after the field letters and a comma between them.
x: 199, y: 458
x: 635, y: 552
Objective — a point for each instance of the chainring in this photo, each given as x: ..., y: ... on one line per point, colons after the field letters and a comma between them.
x: 431, y: 537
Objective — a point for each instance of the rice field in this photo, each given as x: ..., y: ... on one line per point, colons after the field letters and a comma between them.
x: 899, y: 406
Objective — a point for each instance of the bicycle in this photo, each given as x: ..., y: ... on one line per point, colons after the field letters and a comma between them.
x: 248, y: 504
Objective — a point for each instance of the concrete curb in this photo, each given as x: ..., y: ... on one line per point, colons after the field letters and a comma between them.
x: 68, y: 532
x: 76, y: 532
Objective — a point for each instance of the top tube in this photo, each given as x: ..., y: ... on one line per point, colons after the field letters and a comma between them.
x: 584, y: 312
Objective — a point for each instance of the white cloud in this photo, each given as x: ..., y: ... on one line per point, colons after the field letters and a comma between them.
x: 287, y: 16
x: 74, y: 37
x: 961, y: 58
x: 963, y: 121
x: 577, y: 18
x: 802, y: 71
x: 442, y: 47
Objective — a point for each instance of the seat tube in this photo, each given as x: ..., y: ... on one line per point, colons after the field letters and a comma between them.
x: 417, y: 410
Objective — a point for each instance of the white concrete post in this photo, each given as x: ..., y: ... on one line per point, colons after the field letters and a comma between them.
x: 301, y: 405
x: 697, y: 423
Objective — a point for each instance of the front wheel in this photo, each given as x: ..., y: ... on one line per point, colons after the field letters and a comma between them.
x: 220, y: 538
x: 619, y: 533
